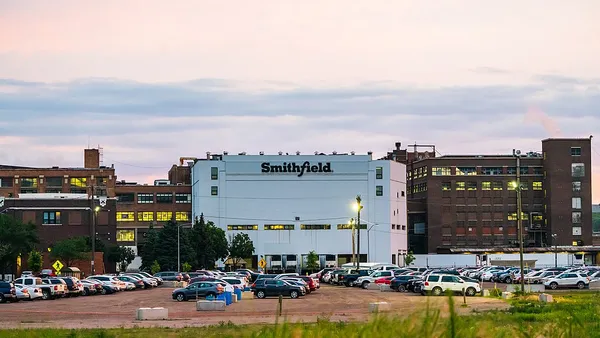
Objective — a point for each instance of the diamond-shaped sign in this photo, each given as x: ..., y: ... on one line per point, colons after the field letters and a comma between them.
x: 57, y: 266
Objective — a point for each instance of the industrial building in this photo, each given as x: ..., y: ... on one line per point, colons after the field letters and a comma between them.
x: 290, y: 205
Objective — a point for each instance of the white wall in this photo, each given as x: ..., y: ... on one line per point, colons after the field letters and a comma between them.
x: 462, y: 260
x: 248, y: 196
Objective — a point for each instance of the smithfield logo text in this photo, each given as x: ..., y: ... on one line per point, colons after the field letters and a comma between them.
x: 293, y: 167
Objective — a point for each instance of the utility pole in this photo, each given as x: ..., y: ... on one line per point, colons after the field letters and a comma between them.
x: 554, y: 236
x: 353, y: 241
x: 517, y: 154
x: 358, y: 207
x: 93, y: 237
x: 178, y: 250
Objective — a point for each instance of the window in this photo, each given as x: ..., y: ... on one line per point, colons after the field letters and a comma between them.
x: 243, y: 227
x: 497, y: 185
x: 214, y: 190
x: 446, y: 186
x: 101, y: 181
x: 460, y: 185
x: 145, y: 216
x: 441, y: 171
x: 491, y: 170
x: 524, y: 170
x: 315, y: 227
x: 524, y: 186
x: 29, y: 182
x: 578, y: 170
x: 349, y: 226
x: 576, y: 217
x: 183, y: 198
x: 78, y: 182
x: 51, y: 217
x: 279, y: 227
x: 425, y: 169
x: 164, y: 198
x: 576, y: 202
x: 182, y: 216
x: 511, y: 170
x: 471, y: 185
x: 164, y: 216
x: 379, y: 190
x: 466, y: 171
x: 379, y: 173
x: 214, y: 173
x: 128, y: 197
x: 577, y: 186
x: 537, y: 186
x: 54, y: 181
x: 145, y: 198
x: 486, y: 185
x: 575, y: 151
x: 125, y: 235
x: 6, y: 182
x: 576, y: 232
x: 125, y: 216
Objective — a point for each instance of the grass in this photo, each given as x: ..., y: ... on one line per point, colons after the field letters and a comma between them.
x: 572, y: 315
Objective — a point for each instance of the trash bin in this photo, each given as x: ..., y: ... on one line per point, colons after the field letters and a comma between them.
x: 228, y: 298
x: 238, y: 292
x: 222, y: 297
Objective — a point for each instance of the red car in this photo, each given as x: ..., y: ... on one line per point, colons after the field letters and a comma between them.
x: 384, y: 280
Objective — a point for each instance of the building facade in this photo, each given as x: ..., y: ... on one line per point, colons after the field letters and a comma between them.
x: 470, y: 201
x: 291, y: 205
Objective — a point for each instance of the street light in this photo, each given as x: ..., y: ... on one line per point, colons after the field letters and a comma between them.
x: 369, y: 240
x: 353, y: 230
x: 95, y: 211
x: 179, y: 246
x: 555, y: 250
x: 517, y: 186
x: 358, y: 207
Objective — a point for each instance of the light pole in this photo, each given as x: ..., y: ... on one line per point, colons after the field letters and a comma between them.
x: 178, y: 249
x: 555, y: 250
x: 353, y: 233
x: 358, y: 207
x: 369, y: 240
x: 517, y: 155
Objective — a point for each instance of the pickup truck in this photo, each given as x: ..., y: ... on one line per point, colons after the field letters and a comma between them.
x: 49, y: 290
x: 364, y: 281
x: 349, y: 277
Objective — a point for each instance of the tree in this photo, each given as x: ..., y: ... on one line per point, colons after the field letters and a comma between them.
x: 409, y: 258
x: 121, y: 255
x: 35, y: 261
x: 147, y: 252
x: 312, y: 261
x: 70, y: 250
x: 240, y: 247
x: 155, y: 268
x: 186, y: 267
x: 209, y: 243
x: 16, y: 238
x: 100, y: 246
x: 166, y: 246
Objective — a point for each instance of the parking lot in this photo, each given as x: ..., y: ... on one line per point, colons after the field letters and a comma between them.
x: 335, y: 303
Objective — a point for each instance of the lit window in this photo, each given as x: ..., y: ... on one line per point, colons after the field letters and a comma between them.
x: 243, y: 227
x: 349, y: 226
x: 578, y: 170
x: 471, y: 185
x: 575, y: 151
x: 379, y: 173
x: 446, y: 186
x: 214, y: 190
x: 460, y: 185
x: 125, y: 235
x: 164, y: 216
x: 214, y: 173
x: 125, y: 216
x: 577, y: 186
x: 145, y: 216
x: 576, y: 217
x: 182, y: 216
x: 51, y: 217
x: 145, y: 198
x: 441, y: 171
x: 537, y: 185
x: 78, y: 182
x: 486, y: 185
x: 29, y: 182
x: 279, y: 227
x: 315, y: 227
x: 425, y: 171
x: 576, y: 202
x: 379, y: 190
x: 497, y: 185
x: 466, y: 171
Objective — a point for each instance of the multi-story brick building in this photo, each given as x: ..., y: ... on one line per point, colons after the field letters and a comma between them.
x: 470, y: 202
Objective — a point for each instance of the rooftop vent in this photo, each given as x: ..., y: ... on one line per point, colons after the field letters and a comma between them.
x: 316, y: 153
x: 261, y: 153
x: 352, y: 152
x: 297, y: 153
x: 242, y: 153
x: 225, y: 153
x: 334, y: 152
x: 280, y: 153
x: 369, y: 153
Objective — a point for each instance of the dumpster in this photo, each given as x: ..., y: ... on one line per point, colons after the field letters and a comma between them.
x: 228, y: 298
x: 238, y: 293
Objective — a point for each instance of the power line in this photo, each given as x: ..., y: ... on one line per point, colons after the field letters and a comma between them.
x: 134, y: 165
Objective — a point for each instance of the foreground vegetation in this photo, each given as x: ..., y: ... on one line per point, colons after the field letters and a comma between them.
x: 572, y: 315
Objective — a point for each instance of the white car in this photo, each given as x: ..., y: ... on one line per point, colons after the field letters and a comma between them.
x: 364, y: 281
x: 568, y: 280
x: 438, y: 284
x: 238, y: 283
x: 28, y: 292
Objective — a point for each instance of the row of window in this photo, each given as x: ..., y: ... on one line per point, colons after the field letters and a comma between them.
x: 150, y: 198
x: 34, y: 182
x: 494, y: 185
x: 214, y: 173
x: 486, y: 171
x: 149, y: 216
x: 292, y: 227
x: 214, y: 190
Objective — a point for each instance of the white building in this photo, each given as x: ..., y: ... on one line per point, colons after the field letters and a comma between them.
x: 290, y: 205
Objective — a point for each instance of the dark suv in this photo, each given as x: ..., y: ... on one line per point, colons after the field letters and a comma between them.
x: 275, y: 287
x: 7, y: 292
x: 74, y: 287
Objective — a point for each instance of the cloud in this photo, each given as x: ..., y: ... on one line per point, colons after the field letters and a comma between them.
x: 145, y: 127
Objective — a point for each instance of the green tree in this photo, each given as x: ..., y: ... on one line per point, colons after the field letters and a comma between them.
x: 312, y: 261
x: 209, y: 243
x: 122, y: 256
x: 16, y: 238
x: 409, y: 258
x: 166, y: 246
x: 70, y: 250
x: 35, y: 261
x: 186, y: 267
x: 100, y: 246
x: 240, y: 247
x: 147, y: 251
x: 155, y: 267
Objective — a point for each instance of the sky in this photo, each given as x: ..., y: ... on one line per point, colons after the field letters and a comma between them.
x: 150, y: 81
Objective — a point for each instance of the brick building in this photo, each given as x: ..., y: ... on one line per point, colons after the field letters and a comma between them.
x: 469, y: 201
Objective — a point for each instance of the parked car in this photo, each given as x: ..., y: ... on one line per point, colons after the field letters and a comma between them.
x: 8, y: 293
x: 402, y: 283
x: 149, y: 282
x: 56, y: 286
x: 272, y: 287
x: 74, y: 287
x: 364, y: 281
x: 438, y: 284
x: 90, y: 287
x: 568, y: 280
x: 137, y: 282
x: 170, y: 276
x: 237, y: 283
x: 349, y: 277
x: 197, y: 290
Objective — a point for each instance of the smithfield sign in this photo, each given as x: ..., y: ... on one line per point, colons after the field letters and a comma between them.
x: 293, y: 167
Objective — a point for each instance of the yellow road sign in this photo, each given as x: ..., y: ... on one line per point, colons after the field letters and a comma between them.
x: 58, y: 266
x: 262, y: 263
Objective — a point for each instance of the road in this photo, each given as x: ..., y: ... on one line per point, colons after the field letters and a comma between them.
x: 118, y: 310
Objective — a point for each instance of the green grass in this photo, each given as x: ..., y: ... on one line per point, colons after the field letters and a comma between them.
x: 572, y: 315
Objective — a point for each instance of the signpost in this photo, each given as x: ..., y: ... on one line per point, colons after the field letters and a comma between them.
x: 262, y: 263
x: 58, y: 265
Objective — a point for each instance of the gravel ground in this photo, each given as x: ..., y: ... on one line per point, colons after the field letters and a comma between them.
x: 118, y: 310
